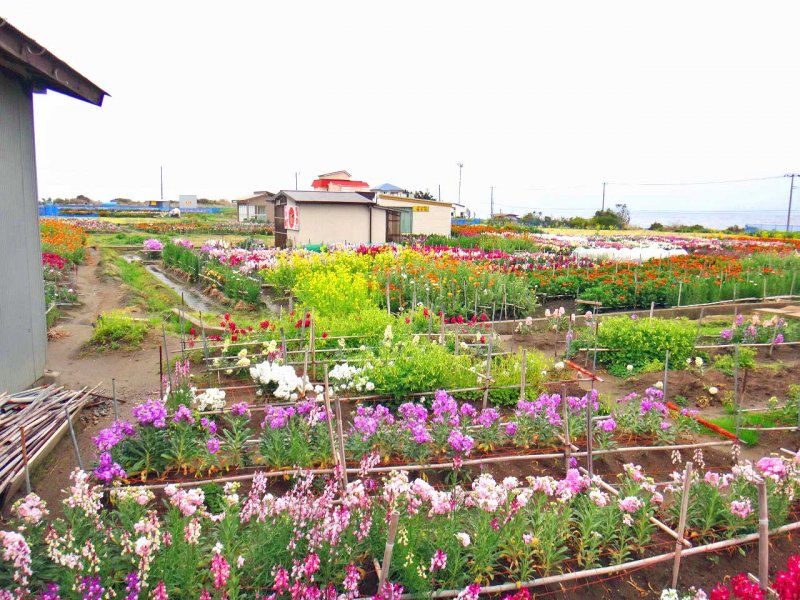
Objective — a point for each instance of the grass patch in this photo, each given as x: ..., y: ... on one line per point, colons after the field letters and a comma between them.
x: 116, y: 329
x: 147, y: 292
x: 765, y: 419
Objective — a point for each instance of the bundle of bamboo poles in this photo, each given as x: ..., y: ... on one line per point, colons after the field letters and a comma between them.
x: 31, y: 424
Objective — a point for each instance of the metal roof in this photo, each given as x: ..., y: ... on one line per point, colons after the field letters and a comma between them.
x: 255, y: 196
x: 31, y: 61
x: 388, y: 187
x: 327, y: 197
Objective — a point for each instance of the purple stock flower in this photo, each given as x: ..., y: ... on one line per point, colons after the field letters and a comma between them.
x: 420, y: 433
x: 511, y: 429
x: 183, y: 413
x: 779, y: 338
x: 460, y: 442
x: 445, y: 409
x: 213, y: 445
x: 487, y: 418
x: 240, y: 409
x: 50, y: 592
x: 726, y: 335
x: 467, y: 410
x: 607, y: 425
x: 413, y: 412
x: 132, y: 586
x: 209, y: 424
x: 107, y: 469
x: 91, y: 588
x: 111, y: 436
x: 151, y: 412
x: 276, y: 417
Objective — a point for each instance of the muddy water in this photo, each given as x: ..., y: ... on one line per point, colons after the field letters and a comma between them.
x: 192, y: 297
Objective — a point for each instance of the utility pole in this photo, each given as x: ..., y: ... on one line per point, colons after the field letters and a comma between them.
x: 162, y: 183
x: 460, y: 166
x: 440, y: 192
x: 295, y: 180
x: 789, y: 212
x: 603, y: 205
x: 491, y: 202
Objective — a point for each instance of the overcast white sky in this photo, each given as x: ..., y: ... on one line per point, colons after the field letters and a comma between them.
x: 237, y: 96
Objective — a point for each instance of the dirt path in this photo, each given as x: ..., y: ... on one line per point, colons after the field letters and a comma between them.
x: 136, y: 373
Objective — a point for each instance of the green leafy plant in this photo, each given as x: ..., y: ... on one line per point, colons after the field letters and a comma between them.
x: 116, y: 329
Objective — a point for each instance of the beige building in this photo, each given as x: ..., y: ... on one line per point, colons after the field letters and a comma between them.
x: 321, y: 217
x: 419, y: 217
x: 258, y: 207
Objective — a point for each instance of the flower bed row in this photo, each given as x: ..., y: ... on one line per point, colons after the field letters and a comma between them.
x: 318, y: 540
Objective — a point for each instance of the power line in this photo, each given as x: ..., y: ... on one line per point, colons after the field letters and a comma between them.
x: 699, y: 182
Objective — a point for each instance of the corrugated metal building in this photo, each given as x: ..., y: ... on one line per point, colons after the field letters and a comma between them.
x: 320, y: 217
x: 25, y: 67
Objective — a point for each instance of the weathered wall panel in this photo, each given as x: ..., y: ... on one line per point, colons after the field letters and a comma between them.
x: 23, y: 339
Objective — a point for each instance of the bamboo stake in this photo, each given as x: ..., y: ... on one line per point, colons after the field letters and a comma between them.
x: 699, y: 325
x: 687, y: 483
x: 24, y: 448
x: 205, y: 345
x: 652, y: 308
x: 488, y: 373
x: 736, y: 390
x: 590, y: 436
x: 114, y: 398
x: 523, y: 378
x: 763, y: 536
x: 387, y: 552
x: 74, y: 440
x: 340, y: 431
x: 166, y: 357
x: 161, y: 372
x: 388, y: 297
x: 666, y: 373
x: 283, y: 344
x: 334, y: 450
x: 680, y: 292
x: 568, y: 447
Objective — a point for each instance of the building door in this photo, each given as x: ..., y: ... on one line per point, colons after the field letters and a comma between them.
x: 280, y: 229
x: 393, y: 226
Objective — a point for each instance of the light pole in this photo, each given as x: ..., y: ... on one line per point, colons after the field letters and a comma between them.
x: 789, y: 212
x: 603, y: 205
x: 460, y: 166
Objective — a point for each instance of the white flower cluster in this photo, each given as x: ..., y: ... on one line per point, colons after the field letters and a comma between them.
x: 287, y: 384
x: 347, y: 377
x: 210, y: 399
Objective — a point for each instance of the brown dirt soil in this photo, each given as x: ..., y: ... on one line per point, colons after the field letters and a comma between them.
x: 136, y: 374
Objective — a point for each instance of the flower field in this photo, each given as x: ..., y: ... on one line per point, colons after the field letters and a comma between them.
x: 467, y: 276
x: 63, y: 246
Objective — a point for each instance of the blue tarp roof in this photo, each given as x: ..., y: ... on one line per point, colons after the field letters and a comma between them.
x: 388, y: 187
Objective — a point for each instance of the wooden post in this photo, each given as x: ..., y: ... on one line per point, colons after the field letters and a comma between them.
x: 74, y: 440
x: 414, y: 294
x: 455, y: 345
x: 666, y: 373
x: 763, y: 536
x: 387, y: 552
x: 305, y: 370
x: 652, y: 308
x: 114, y: 398
x: 791, y: 289
x: 687, y: 484
x: 596, y: 333
x: 774, y: 336
x: 488, y: 373
x: 523, y: 378
x: 284, y: 349
x: 340, y: 432
x: 166, y: 357
x: 24, y: 448
x: 441, y: 333
x: 430, y: 323
x: 680, y: 292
